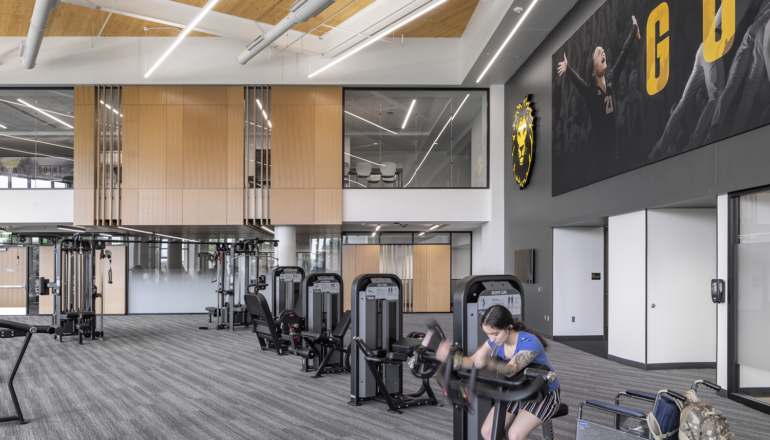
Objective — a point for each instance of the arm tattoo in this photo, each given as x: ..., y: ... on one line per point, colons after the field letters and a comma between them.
x: 518, y: 363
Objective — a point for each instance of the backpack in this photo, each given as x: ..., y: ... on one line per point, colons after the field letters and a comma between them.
x: 700, y: 421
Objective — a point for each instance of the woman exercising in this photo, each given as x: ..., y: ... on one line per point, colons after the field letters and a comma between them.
x: 513, y: 342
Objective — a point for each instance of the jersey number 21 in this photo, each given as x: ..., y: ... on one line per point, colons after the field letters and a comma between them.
x: 608, y: 102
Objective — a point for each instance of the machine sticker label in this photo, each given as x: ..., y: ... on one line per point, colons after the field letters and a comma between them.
x: 297, y: 278
x: 324, y: 287
x: 334, y: 287
x: 511, y: 302
x: 388, y: 293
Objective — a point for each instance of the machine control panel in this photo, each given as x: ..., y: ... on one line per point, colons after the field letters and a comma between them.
x: 382, y: 288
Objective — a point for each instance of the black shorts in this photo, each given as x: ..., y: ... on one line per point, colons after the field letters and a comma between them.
x: 542, y: 410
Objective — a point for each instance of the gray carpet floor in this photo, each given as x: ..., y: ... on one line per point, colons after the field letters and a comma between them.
x: 158, y: 376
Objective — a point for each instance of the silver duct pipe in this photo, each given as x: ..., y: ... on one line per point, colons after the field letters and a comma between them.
x: 37, y: 25
x: 300, y: 12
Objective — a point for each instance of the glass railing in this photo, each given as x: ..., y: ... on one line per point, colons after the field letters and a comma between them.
x: 415, y: 138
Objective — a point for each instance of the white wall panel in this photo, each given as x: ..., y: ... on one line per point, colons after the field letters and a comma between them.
x: 36, y: 206
x: 681, y: 261
x: 577, y: 253
x: 627, y: 279
x: 723, y: 244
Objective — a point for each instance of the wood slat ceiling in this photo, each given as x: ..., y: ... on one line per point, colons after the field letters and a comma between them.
x: 447, y: 21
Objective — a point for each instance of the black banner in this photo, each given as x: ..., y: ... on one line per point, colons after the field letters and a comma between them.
x: 643, y: 80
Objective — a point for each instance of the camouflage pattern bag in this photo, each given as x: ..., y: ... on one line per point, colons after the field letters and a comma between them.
x: 700, y: 421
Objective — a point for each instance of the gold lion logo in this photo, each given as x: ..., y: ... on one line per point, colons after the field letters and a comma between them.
x: 523, y: 142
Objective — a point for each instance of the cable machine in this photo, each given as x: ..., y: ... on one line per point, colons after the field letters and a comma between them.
x: 74, y: 288
x: 233, y: 259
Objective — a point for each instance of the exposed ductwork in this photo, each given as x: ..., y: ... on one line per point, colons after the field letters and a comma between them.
x: 300, y: 12
x: 37, y: 26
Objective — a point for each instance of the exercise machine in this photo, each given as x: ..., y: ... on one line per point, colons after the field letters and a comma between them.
x: 233, y: 278
x: 466, y: 388
x: 326, y: 324
x: 74, y: 290
x: 10, y: 329
x: 472, y: 296
x: 287, y: 292
x: 281, y: 334
x: 379, y: 350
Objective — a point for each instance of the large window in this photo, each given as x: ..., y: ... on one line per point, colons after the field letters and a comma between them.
x: 415, y: 138
x: 36, y: 138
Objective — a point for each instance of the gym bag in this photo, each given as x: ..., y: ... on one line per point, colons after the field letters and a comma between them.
x: 700, y: 421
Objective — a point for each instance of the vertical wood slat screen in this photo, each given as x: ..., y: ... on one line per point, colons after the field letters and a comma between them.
x: 109, y: 155
x: 258, y: 148
x: 398, y: 259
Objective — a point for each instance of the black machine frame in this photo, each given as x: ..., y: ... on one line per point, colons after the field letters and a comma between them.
x: 10, y: 329
x: 382, y: 359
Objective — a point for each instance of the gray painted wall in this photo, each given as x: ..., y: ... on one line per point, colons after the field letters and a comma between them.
x: 734, y: 164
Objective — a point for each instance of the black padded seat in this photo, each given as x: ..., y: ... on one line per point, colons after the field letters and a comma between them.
x: 562, y: 411
x: 406, y: 345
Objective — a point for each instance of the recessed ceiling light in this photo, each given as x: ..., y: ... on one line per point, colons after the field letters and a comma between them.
x: 421, y: 234
x: 434, y: 227
x: 532, y: 5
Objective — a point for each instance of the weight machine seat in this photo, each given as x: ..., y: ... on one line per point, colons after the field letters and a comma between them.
x: 562, y: 411
x: 395, y: 356
x: 86, y: 315
x: 406, y: 345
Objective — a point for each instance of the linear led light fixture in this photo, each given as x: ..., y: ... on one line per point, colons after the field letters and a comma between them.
x: 3, y: 126
x: 190, y: 26
x: 366, y: 160
x: 155, y: 233
x: 374, y: 233
x: 267, y: 229
x: 41, y: 111
x: 507, y: 40
x: 437, y: 137
x: 38, y: 153
x: 409, y: 113
x: 38, y: 142
x: 433, y: 227
x: 377, y: 228
x: 49, y: 111
x: 366, y: 120
x: 373, y: 39
x: 101, y: 234
x: 71, y: 229
x: 421, y: 234
x: 108, y: 106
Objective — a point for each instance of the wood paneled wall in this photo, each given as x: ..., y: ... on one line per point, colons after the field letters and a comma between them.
x: 115, y: 293
x: 431, y: 273
x: 183, y: 149
x: 13, y: 274
x: 46, y: 271
x: 357, y: 260
x: 306, y: 156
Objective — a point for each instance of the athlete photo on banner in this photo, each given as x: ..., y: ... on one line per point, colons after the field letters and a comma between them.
x: 644, y: 80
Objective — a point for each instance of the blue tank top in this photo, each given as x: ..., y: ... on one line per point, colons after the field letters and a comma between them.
x: 527, y: 342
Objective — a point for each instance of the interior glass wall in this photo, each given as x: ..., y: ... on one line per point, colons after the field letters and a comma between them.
x: 752, y: 298
x: 37, y: 138
x: 170, y: 277
x: 415, y: 138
